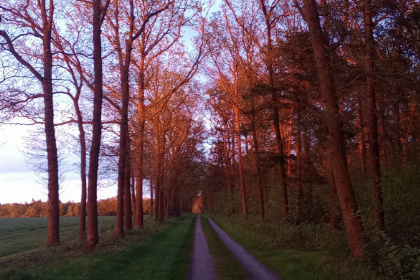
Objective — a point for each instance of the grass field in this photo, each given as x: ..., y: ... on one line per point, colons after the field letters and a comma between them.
x: 161, y: 250
x: 22, y: 234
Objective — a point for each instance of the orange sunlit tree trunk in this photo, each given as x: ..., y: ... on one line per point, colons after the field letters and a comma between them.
x: 99, y: 12
x: 341, y: 175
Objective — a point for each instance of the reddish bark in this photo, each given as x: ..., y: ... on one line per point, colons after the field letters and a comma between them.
x: 342, y: 178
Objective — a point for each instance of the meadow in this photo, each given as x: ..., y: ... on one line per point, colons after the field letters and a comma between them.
x: 23, y: 234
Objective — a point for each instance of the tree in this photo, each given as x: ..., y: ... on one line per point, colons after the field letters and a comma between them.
x: 22, y: 15
x: 99, y: 12
x: 371, y: 117
x: 341, y: 174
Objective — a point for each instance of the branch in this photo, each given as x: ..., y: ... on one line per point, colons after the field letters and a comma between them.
x: 149, y: 16
x: 18, y: 57
x: 302, y: 14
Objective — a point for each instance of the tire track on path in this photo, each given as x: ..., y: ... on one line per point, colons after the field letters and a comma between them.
x: 202, y: 266
x: 255, y: 268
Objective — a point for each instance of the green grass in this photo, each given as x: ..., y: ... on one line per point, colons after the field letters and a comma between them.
x: 293, y: 264
x: 159, y: 251
x: 226, y: 264
x: 23, y: 234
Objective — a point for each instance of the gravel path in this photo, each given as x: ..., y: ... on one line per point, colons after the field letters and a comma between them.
x: 202, y: 266
x: 256, y: 269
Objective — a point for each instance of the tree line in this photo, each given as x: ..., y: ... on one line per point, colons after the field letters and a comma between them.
x: 37, y: 208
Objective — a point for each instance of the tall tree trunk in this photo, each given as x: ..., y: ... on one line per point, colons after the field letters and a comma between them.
x: 397, y: 133
x: 159, y: 196
x: 140, y: 147
x: 372, y: 118
x: 92, y: 234
x: 152, y: 201
x: 52, y: 155
x: 226, y: 144
x: 128, y: 214
x: 269, y: 21
x: 133, y: 191
x: 298, y: 148
x: 342, y: 178
x: 307, y: 166
x: 240, y: 166
x: 257, y: 166
x: 83, y: 163
x: 361, y: 140
x: 47, y: 15
x: 334, y: 202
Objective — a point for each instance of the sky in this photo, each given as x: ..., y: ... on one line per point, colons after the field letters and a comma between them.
x: 19, y: 184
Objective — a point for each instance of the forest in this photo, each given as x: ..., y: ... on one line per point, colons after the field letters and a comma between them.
x: 299, y: 117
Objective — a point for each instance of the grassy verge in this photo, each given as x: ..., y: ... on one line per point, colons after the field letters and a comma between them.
x: 292, y: 264
x: 159, y: 251
x: 226, y: 265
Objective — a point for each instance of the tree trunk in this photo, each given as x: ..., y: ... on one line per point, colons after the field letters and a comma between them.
x: 83, y: 163
x: 275, y: 107
x: 140, y: 148
x: 372, y: 118
x: 226, y: 145
x: 361, y: 138
x: 53, y: 198
x: 341, y: 174
x: 133, y: 192
x: 52, y: 154
x: 47, y: 14
x: 128, y: 214
x: 240, y: 166
x: 397, y: 133
x: 298, y: 217
x: 92, y: 234
x: 257, y: 166
x: 334, y: 203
